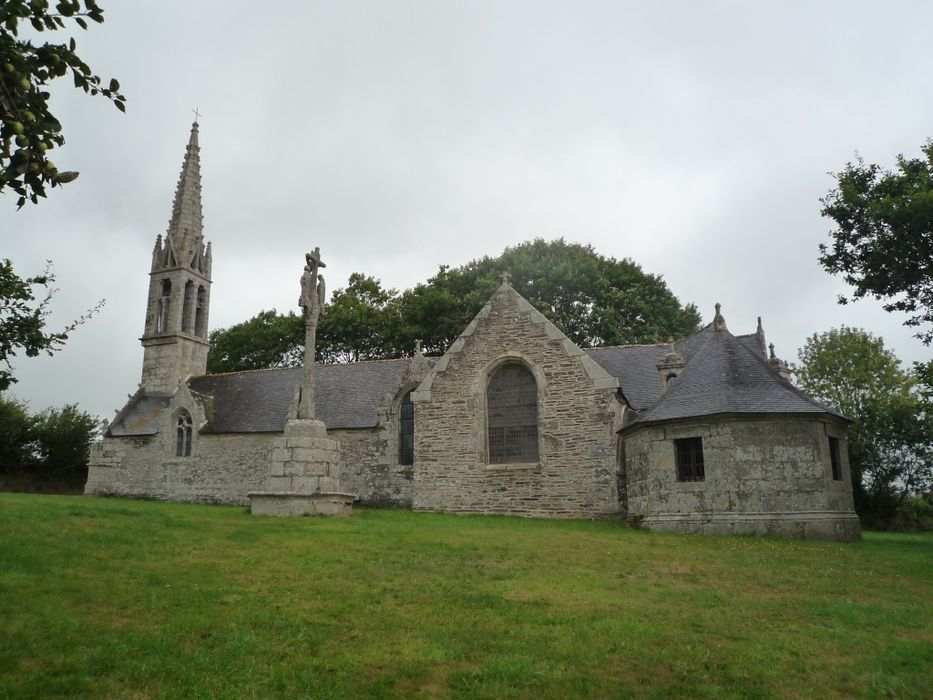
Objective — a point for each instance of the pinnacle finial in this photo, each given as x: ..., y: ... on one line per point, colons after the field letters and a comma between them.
x: 418, y: 350
x: 506, y: 278
x: 771, y: 350
x: 719, y: 323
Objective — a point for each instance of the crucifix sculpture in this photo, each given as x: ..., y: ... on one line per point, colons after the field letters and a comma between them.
x: 312, y: 303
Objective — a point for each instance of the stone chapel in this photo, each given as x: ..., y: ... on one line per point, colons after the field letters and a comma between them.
x: 704, y: 435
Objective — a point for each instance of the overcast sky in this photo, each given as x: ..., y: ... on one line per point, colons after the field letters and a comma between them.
x: 695, y: 138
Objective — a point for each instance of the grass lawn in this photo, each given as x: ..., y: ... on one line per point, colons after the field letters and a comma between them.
x: 116, y: 598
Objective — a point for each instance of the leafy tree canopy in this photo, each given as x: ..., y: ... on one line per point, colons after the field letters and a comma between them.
x: 267, y: 340
x: 54, y: 442
x: 358, y: 323
x: 891, y: 441
x: 29, y: 130
x: 596, y: 300
x: 883, y: 240
x: 23, y: 319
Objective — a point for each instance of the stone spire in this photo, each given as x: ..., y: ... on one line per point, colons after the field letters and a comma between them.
x: 184, y: 238
x: 175, y: 333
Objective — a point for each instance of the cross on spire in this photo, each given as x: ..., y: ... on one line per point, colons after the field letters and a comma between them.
x: 197, y: 114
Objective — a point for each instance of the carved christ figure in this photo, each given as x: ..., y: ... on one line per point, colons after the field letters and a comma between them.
x: 312, y: 287
x: 311, y: 302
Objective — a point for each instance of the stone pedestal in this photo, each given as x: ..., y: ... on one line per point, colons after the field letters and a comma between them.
x: 304, y: 474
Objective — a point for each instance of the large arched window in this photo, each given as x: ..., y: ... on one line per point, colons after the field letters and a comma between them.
x: 183, y: 429
x: 512, y: 415
x: 406, y: 431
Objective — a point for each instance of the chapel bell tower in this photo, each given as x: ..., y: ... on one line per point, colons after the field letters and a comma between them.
x: 175, y: 337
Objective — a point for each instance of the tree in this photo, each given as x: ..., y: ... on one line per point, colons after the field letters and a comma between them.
x: 29, y: 130
x: 15, y: 429
x: 62, y: 440
x: 595, y: 300
x: 356, y: 324
x: 269, y: 339
x: 891, y: 440
x: 23, y: 319
x: 883, y: 240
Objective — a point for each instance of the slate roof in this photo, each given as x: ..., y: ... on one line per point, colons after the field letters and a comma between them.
x: 140, y: 416
x: 723, y: 374
x: 636, y: 368
x: 726, y: 374
x: 345, y: 396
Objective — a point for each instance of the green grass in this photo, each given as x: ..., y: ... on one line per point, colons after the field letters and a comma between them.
x: 128, y: 599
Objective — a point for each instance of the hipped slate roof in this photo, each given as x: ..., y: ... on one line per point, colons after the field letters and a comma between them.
x: 725, y: 374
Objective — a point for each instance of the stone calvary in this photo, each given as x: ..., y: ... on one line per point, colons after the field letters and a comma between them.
x: 703, y: 435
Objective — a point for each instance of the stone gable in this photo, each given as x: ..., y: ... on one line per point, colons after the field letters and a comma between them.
x: 575, y: 474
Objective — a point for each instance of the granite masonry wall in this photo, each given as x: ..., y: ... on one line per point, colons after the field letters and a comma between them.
x: 371, y: 469
x: 224, y: 468
x: 575, y: 474
x: 762, y: 476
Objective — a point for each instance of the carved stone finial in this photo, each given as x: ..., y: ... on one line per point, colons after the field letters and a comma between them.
x: 506, y: 278
x: 719, y: 323
x: 771, y: 349
x: 418, y: 350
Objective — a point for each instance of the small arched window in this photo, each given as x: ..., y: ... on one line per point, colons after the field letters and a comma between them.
x: 512, y: 415
x: 183, y: 430
x: 406, y: 431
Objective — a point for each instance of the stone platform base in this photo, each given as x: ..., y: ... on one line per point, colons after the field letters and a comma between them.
x: 807, y: 525
x: 292, y: 503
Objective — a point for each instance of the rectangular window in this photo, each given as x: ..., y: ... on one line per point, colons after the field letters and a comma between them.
x: 834, y: 458
x: 689, y: 455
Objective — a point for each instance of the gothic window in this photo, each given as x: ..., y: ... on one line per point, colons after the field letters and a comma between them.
x: 834, y: 458
x: 162, y: 307
x: 406, y: 431
x: 200, y: 313
x: 183, y: 430
x: 512, y: 415
x: 187, y: 314
x: 689, y: 454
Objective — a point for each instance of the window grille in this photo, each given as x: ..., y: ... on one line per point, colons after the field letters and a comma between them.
x: 406, y: 431
x: 689, y: 452
x: 512, y: 415
x: 834, y: 458
x: 183, y: 431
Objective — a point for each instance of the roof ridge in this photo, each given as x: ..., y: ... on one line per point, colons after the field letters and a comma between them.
x: 628, y: 345
x: 316, y: 364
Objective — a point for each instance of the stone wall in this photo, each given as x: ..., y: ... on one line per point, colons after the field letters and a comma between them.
x: 575, y: 474
x: 170, y: 358
x: 222, y: 468
x: 765, y: 476
x: 371, y: 469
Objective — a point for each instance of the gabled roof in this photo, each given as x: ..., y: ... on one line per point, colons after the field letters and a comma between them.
x: 345, y: 396
x: 725, y: 374
x: 140, y: 416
